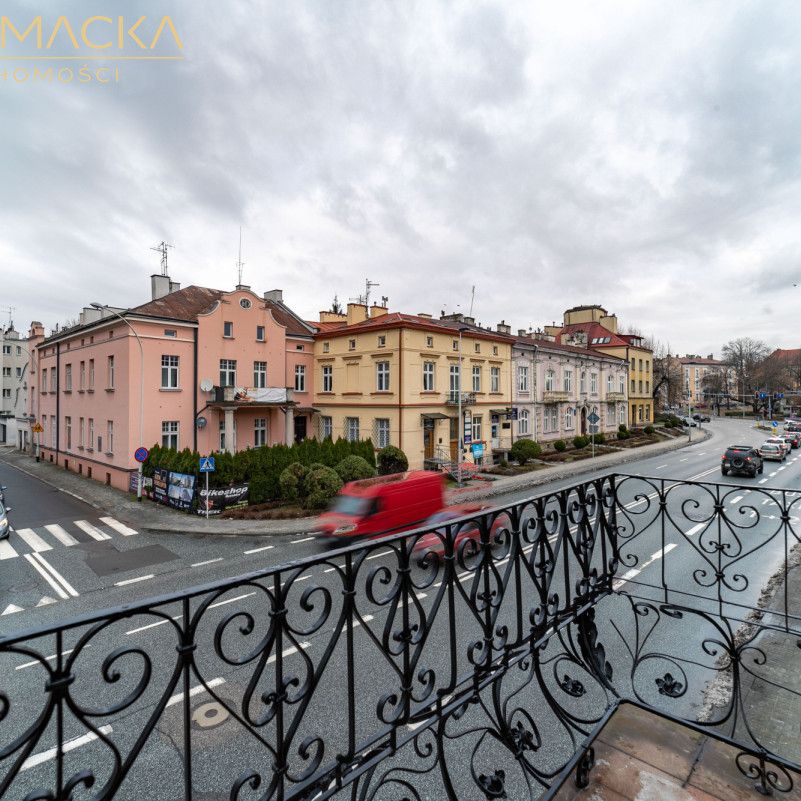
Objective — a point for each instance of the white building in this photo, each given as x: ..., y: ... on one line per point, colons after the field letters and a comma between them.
x: 14, y: 381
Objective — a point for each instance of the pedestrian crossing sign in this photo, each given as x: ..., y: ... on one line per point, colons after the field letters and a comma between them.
x: 37, y: 428
x: 207, y: 464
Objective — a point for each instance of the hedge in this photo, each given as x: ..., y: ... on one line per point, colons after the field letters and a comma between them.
x: 523, y: 450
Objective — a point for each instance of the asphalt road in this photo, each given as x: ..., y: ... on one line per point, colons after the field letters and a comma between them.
x: 69, y: 559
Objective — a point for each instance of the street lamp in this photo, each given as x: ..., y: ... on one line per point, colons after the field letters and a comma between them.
x: 462, y: 329
x: 105, y: 307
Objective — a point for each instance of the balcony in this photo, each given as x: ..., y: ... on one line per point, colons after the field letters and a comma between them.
x: 425, y: 666
x: 613, y: 397
x: 468, y: 399
x: 250, y: 396
x: 555, y: 396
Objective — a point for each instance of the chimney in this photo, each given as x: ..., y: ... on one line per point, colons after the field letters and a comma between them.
x: 503, y: 328
x: 357, y: 313
x: 174, y: 286
x: 469, y: 320
x: 159, y: 286
x: 275, y: 295
x: 424, y: 315
x: 711, y: 356
x: 521, y: 332
x: 377, y: 311
x: 456, y: 317
x: 91, y: 315
x: 331, y: 317
x: 243, y: 286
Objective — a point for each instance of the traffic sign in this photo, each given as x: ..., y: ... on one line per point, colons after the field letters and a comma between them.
x: 593, y: 428
x: 207, y: 464
x: 141, y: 454
x: 37, y: 428
x: 774, y: 424
x: 593, y: 418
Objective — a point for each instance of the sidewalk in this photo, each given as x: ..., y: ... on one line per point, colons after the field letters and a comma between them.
x: 153, y: 518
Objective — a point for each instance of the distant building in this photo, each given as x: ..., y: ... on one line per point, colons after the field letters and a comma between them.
x: 14, y: 382
x: 705, y: 379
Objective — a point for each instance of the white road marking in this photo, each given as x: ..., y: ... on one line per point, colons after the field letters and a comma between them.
x: 10, y: 609
x: 47, y: 658
x: 55, y: 574
x: 70, y: 745
x: 94, y: 533
x: 207, y: 562
x: 61, y: 535
x: 33, y: 540
x: 153, y: 625
x: 772, y: 474
x: 46, y: 601
x: 735, y: 499
x: 231, y: 600
x: 6, y: 550
x: 662, y: 551
x: 305, y: 539
x: 201, y: 688
x: 117, y: 526
x: 289, y: 652
x: 659, y: 467
x: 263, y: 548
x: 694, y: 530
x: 782, y: 467
x: 133, y: 580
x: 46, y: 576
x: 683, y: 460
x: 762, y: 480
x: 767, y: 500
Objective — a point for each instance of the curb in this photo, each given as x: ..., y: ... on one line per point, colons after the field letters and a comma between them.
x: 55, y: 486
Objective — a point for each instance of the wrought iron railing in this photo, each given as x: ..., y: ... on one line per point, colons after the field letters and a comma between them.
x: 477, y: 660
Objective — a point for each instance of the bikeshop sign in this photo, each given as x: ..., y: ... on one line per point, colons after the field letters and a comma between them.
x: 222, y: 499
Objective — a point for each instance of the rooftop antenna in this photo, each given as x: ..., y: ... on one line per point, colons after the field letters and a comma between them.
x: 385, y: 300
x: 10, y: 311
x: 240, y: 264
x: 162, y: 248
x: 472, y: 298
x: 364, y: 299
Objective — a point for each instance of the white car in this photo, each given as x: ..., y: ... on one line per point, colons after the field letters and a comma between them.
x: 770, y: 450
x: 785, y: 446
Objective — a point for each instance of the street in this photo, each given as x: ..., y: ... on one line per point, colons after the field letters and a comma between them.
x: 65, y: 559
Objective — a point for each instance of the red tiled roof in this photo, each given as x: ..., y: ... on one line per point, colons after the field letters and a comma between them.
x: 183, y: 304
x: 786, y: 353
x: 330, y: 326
x: 594, y: 331
x: 286, y: 317
x: 545, y: 344
x: 397, y: 320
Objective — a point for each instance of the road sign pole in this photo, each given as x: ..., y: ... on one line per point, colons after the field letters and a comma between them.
x: 207, y: 496
x: 139, y: 484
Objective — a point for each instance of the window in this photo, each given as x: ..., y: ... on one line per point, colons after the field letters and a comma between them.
x: 170, y: 332
x: 326, y: 347
x: 549, y: 381
x: 633, y: 363
x: 82, y: 376
x: 382, y: 341
x: 81, y: 432
x: 621, y: 417
x: 169, y: 434
x: 260, y: 431
x: 68, y: 432
x: 478, y: 347
x: 90, y: 440
x: 110, y: 372
x: 550, y: 422
x: 476, y: 378
x: 522, y: 422
x: 610, y: 383
x: 640, y: 382
x: 456, y: 344
x: 245, y: 303
x: 567, y: 381
x: 429, y: 342
x: 633, y: 385
x: 594, y: 383
x: 454, y: 380
x: 640, y: 365
x: 494, y: 350
x: 570, y: 418
x: 227, y: 372
x: 328, y: 378
x: 477, y: 428
x: 91, y: 374
x: 169, y: 372
x: 622, y: 379
x: 6, y: 393
x: 326, y: 427
x: 381, y: 433
x: 352, y: 429
x: 300, y: 378
x: 382, y: 376
x: 19, y: 372
x: 495, y: 379
x: 647, y: 413
x: 428, y: 376
x: 260, y: 375
x: 228, y: 329
x: 351, y: 344
x: 7, y: 350
x: 110, y: 436
x: 647, y: 386
x: 222, y: 435
x: 44, y: 380
x: 53, y: 440
x: 298, y: 347
x: 68, y: 378
x: 260, y: 333
x: 522, y: 379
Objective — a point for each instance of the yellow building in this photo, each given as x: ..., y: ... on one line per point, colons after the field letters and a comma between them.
x: 593, y: 327
x: 395, y: 378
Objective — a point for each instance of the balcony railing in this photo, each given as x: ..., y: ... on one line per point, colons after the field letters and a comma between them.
x: 555, y: 396
x: 452, y: 398
x: 479, y: 660
x: 613, y: 397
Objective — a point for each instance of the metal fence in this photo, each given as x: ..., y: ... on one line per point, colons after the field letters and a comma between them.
x: 480, y: 659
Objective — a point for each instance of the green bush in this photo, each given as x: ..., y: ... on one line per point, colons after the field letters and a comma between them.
x: 392, y: 460
x: 523, y: 450
x: 503, y: 464
x: 322, y: 485
x: 560, y: 446
x: 581, y: 441
x: 354, y: 468
x: 599, y: 439
x: 649, y: 429
x: 259, y: 490
x: 623, y: 435
x: 622, y: 428
x: 292, y: 482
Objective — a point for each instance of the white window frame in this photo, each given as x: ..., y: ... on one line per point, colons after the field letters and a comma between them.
x: 228, y: 329
x: 169, y: 371
x: 68, y: 432
x: 549, y: 380
x: 227, y: 372
x: 522, y: 378
x: 593, y: 383
x: 454, y: 380
x: 352, y: 429
x: 170, y: 432
x: 476, y: 425
x: 495, y: 379
x: 90, y: 430
x: 382, y: 435
x: 429, y: 376
x: 382, y: 377
x: 109, y: 436
x: 328, y: 378
x: 300, y: 378
x: 82, y: 376
x: 259, y: 431
x: 91, y: 374
x: 260, y: 333
x: 67, y: 377
x: 260, y: 375
x: 326, y: 427
x: 522, y: 422
x: 570, y: 419
x: 110, y: 369
x: 476, y: 377
x: 81, y: 431
x: 567, y: 381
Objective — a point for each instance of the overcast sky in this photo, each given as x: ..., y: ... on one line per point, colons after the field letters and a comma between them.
x: 644, y: 156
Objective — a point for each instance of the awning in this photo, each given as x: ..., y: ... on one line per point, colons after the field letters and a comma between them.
x: 434, y: 416
x: 508, y: 410
x: 305, y: 410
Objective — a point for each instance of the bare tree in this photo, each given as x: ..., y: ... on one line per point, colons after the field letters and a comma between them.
x: 667, y: 374
x: 744, y: 355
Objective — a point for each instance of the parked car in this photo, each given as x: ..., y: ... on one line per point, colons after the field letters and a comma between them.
x: 793, y: 437
x: 785, y: 446
x: 701, y: 418
x: 744, y: 459
x: 3, y: 489
x: 688, y: 421
x: 382, y: 505
x: 772, y: 451
x: 5, y: 526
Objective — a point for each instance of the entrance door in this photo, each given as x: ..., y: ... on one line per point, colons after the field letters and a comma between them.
x: 428, y: 439
x: 495, y: 431
x: 454, y: 434
x: 300, y: 429
x: 583, y: 420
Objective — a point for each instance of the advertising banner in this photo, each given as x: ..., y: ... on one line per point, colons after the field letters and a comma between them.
x: 160, y: 481
x: 180, y: 490
x: 222, y: 498
x: 133, y: 480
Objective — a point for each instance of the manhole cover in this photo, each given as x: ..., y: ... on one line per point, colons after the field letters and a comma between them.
x: 207, y: 716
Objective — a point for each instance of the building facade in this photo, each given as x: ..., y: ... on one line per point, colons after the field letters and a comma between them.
x: 14, y: 384
x: 194, y: 368
x: 594, y: 328
x: 400, y: 379
x: 705, y: 379
x: 557, y: 387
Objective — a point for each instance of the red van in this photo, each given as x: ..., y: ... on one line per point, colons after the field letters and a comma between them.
x: 383, y: 505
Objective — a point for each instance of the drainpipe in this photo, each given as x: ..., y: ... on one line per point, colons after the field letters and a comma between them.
x: 533, y: 389
x: 194, y: 391
x: 400, y: 391
x: 58, y: 397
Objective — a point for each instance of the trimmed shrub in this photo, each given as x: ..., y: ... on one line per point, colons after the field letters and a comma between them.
x: 259, y: 490
x: 503, y: 464
x: 322, y: 485
x: 599, y: 439
x: 392, y: 460
x: 560, y: 446
x: 354, y: 468
x: 523, y: 450
x: 292, y: 482
x: 581, y: 441
x: 622, y: 428
x: 623, y: 435
x: 649, y: 429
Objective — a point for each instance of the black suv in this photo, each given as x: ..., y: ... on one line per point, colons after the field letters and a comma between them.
x: 741, y: 459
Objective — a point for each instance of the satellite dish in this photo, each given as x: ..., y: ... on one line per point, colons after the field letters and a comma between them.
x: 206, y: 385
x: 201, y: 422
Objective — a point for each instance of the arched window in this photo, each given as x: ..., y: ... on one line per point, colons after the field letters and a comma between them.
x: 522, y: 422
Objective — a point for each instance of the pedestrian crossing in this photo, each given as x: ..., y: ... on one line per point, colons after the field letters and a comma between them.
x: 51, y: 536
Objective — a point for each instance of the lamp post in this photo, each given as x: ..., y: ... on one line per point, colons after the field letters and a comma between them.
x: 462, y: 329
x: 102, y: 307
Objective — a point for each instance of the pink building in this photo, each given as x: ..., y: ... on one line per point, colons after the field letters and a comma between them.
x: 221, y: 371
